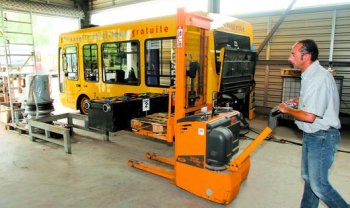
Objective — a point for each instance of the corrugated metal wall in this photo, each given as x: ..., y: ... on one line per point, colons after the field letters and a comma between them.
x: 311, y: 23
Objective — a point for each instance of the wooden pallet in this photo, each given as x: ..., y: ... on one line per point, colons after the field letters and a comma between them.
x: 155, y: 122
x: 19, y: 128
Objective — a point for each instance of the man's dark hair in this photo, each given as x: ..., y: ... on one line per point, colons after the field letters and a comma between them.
x: 309, y: 47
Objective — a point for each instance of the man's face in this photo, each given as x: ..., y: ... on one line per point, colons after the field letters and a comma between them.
x: 297, y: 58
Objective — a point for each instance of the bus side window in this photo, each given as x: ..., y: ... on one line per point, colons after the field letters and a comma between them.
x: 120, y: 62
x: 70, y: 62
x: 160, y: 54
x: 90, y: 63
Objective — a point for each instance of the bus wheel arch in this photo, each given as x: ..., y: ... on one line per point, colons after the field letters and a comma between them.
x: 83, y: 104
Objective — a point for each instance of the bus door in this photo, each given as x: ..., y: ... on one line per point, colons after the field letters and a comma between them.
x: 90, y: 85
x: 71, y: 82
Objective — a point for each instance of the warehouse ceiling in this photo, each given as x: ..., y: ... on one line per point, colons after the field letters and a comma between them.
x: 67, y: 8
x: 104, y: 4
x: 54, y: 7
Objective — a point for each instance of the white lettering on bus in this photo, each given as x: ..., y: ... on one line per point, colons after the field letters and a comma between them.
x: 149, y: 30
x: 235, y: 27
x: 96, y: 36
x: 116, y: 34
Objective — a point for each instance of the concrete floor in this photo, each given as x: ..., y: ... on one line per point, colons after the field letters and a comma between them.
x: 96, y: 174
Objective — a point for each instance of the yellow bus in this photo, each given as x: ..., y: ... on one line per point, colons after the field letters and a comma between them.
x: 139, y: 57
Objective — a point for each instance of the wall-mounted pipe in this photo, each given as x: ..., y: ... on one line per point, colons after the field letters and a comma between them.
x: 274, y: 29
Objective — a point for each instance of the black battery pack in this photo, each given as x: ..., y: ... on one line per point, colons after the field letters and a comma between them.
x: 115, y: 113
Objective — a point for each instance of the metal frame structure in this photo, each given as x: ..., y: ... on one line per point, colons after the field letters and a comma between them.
x: 46, y: 127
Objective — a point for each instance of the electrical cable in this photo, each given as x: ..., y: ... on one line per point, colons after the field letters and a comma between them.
x: 281, y: 141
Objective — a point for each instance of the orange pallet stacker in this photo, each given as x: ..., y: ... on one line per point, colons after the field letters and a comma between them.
x: 204, y: 161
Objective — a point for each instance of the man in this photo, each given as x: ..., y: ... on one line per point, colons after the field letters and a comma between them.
x: 317, y: 116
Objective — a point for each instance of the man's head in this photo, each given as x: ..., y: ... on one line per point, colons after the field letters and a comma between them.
x: 303, y: 54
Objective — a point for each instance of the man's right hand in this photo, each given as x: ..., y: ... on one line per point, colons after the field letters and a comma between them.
x: 283, y: 107
x: 293, y: 102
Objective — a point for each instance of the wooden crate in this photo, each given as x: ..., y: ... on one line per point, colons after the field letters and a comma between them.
x: 289, y: 72
x: 5, y: 115
x: 155, y: 122
x: 5, y: 111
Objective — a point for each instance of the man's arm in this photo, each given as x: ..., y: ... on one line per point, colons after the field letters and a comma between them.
x: 296, y: 113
